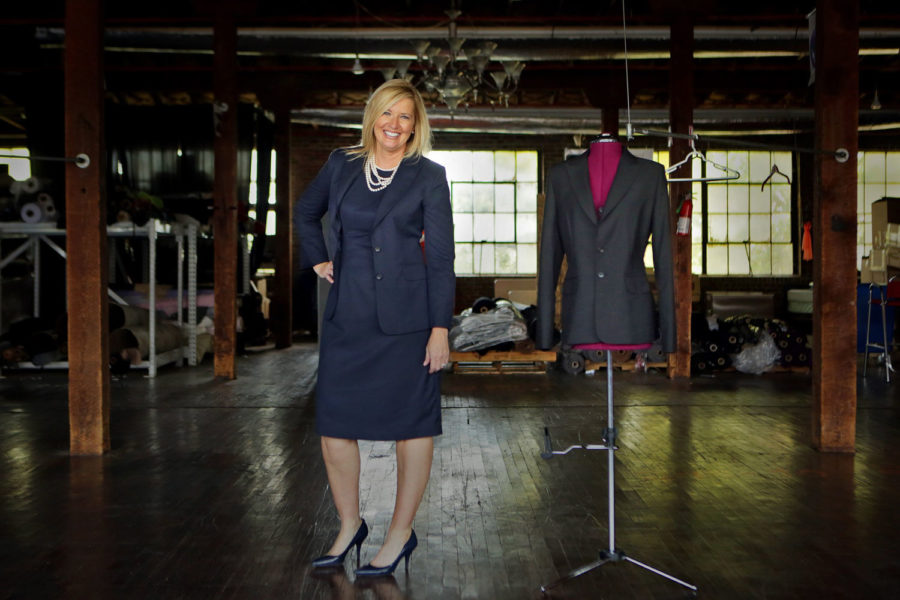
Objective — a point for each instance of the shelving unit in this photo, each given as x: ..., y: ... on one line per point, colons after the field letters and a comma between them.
x: 33, y: 234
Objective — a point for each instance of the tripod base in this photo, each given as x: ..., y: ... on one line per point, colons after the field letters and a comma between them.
x: 609, y: 556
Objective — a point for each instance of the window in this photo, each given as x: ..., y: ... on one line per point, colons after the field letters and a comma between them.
x: 494, y: 199
x: 748, y: 227
x: 270, y: 216
x: 878, y: 176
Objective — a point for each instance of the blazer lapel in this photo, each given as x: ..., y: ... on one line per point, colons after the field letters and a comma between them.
x: 404, y: 177
x: 580, y: 177
x: 625, y: 177
x: 350, y: 171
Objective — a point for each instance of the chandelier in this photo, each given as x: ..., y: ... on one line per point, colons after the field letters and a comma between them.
x: 460, y: 77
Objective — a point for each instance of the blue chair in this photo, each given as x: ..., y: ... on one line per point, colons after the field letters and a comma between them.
x: 887, y: 296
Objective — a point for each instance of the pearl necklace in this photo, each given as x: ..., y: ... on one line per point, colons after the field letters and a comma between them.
x: 374, y: 181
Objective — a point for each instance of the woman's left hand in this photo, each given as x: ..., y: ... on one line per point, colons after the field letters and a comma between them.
x: 437, y: 350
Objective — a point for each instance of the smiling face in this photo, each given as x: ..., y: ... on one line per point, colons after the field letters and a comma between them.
x: 393, y: 127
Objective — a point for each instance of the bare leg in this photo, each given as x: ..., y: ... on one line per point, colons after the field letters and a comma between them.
x: 413, y: 469
x: 342, y: 464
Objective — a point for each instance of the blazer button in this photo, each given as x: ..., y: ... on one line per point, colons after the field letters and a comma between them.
x: 601, y: 275
x: 378, y: 276
x: 377, y: 248
x: 602, y: 250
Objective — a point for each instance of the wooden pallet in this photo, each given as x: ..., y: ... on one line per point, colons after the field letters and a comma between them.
x: 493, y: 363
x: 622, y: 366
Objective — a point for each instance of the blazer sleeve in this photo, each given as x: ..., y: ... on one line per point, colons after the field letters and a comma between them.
x: 308, y: 213
x: 439, y: 252
x: 549, y: 264
x: 663, y: 263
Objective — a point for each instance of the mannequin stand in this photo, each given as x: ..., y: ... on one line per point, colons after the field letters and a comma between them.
x: 612, y: 554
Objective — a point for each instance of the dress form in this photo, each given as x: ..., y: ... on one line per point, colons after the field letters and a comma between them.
x: 603, y: 161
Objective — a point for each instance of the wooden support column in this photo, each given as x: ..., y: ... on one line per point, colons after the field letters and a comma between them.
x: 283, y: 302
x: 681, y: 116
x: 834, y: 227
x: 225, y: 190
x: 86, y: 266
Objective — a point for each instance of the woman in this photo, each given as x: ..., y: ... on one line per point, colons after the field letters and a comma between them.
x: 384, y: 332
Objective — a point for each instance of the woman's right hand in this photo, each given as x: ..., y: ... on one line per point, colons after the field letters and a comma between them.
x: 325, y: 270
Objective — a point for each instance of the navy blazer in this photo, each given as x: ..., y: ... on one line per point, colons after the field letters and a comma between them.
x: 606, y: 297
x: 413, y: 291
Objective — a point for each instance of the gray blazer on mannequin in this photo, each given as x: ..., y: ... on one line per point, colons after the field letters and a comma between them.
x: 606, y: 296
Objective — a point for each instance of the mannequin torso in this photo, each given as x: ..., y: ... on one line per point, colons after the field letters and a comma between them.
x: 603, y: 161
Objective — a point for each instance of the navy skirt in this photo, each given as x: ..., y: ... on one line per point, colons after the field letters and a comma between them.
x: 371, y: 386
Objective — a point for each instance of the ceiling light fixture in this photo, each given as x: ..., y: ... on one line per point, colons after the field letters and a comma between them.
x: 460, y: 76
x: 357, y: 67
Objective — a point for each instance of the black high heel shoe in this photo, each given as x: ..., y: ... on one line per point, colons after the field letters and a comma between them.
x: 330, y: 560
x: 371, y: 571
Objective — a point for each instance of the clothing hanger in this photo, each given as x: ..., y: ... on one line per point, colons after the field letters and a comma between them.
x: 773, y: 172
x: 694, y: 153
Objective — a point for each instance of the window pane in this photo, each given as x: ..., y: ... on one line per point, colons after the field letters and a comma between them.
x: 505, y: 257
x: 782, y: 259
x: 505, y: 197
x: 759, y: 229
x: 738, y: 198
x: 781, y: 227
x: 717, y: 200
x: 874, y: 191
x: 759, y: 167
x: 463, y: 262
x: 462, y: 227
x: 892, y: 167
x: 270, y: 223
x: 717, y: 259
x: 505, y: 166
x: 484, y: 228
x: 526, y: 255
x: 526, y: 197
x: 874, y: 167
x: 251, y: 193
x: 697, y: 227
x: 462, y: 197
x: 718, y: 228
x: 526, y: 227
x: 760, y: 200
x: 482, y: 166
x: 785, y: 165
x: 781, y: 198
x: 504, y: 227
x: 761, y: 259
x: 483, y: 197
x: 738, y: 261
x: 738, y: 228
x: 484, y: 258
x: 697, y: 258
x: 526, y: 165
x: 739, y: 161
x: 459, y: 166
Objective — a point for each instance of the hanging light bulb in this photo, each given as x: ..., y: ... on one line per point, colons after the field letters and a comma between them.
x: 876, y: 103
x: 357, y: 67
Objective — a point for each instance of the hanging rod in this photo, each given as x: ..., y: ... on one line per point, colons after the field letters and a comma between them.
x: 82, y: 161
x: 841, y: 155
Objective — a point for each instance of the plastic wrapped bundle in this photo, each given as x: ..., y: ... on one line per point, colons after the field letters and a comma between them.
x: 477, y: 331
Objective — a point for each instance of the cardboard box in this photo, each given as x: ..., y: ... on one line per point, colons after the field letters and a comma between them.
x: 880, y: 265
x: 522, y: 290
x: 884, y: 211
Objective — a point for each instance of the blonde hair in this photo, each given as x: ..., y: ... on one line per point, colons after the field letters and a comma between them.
x: 389, y: 93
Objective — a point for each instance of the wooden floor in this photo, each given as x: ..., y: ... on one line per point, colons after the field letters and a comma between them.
x: 216, y: 489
